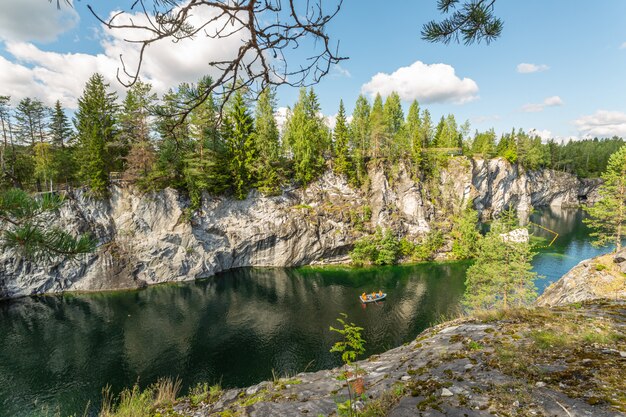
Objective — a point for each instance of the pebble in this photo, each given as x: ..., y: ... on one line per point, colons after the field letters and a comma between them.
x: 516, y: 404
x: 622, y: 354
x: 540, y: 384
x: 468, y: 366
x: 405, y: 378
x: 445, y: 392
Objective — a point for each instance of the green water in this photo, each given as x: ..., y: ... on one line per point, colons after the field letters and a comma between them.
x: 57, y: 352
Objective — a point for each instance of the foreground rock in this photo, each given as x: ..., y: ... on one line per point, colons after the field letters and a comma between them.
x: 592, y: 279
x: 567, y: 361
x: 153, y: 238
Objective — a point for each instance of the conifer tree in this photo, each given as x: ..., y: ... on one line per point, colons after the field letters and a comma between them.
x: 134, y: 137
x: 267, y: 144
x: 240, y: 140
x: 415, y: 136
x: 608, y: 215
x: 501, y: 276
x: 341, y: 148
x: 60, y: 128
x: 44, y: 163
x: 396, y: 142
x: 31, y: 121
x: 360, y: 133
x: 306, y: 136
x: 377, y: 127
x: 95, y: 123
x: 484, y: 144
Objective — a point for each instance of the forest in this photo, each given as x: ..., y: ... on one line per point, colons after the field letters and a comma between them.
x: 228, y: 148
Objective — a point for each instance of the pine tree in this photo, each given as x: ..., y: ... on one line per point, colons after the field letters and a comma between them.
x: 342, y: 165
x: 501, y: 276
x: 96, y: 128
x: 60, y: 128
x: 608, y: 215
x: 31, y: 121
x: 267, y: 144
x: 360, y: 138
x: 306, y: 135
x: 484, y: 144
x: 240, y: 140
x: 377, y: 126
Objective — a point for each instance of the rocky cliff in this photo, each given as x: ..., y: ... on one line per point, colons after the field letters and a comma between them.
x: 568, y: 361
x: 152, y: 238
x: 602, y: 277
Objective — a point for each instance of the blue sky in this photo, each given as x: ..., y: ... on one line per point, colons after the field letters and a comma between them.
x: 576, y: 48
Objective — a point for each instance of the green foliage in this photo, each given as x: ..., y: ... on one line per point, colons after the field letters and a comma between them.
x: 26, y: 229
x: 502, y: 275
x: 465, y: 234
x: 268, y: 164
x: 341, y: 151
x: 96, y: 125
x: 425, y: 249
x: 469, y: 21
x: 360, y: 139
x: 608, y: 215
x: 381, y: 248
x: 238, y: 133
x: 352, y: 345
x: 60, y: 128
x: 307, y: 138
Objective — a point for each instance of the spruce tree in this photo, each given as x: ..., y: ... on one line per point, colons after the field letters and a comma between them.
x: 360, y: 135
x: 134, y: 136
x: 267, y: 144
x: 396, y: 144
x: 306, y: 135
x: 60, y: 128
x: 240, y: 140
x: 342, y: 162
x: 377, y: 126
x: 608, y: 215
x: 95, y: 123
x: 415, y: 136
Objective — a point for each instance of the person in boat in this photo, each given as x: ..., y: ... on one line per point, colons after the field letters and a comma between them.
x: 363, y: 296
x: 380, y: 293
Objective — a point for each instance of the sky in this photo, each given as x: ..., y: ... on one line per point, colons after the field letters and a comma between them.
x: 558, y: 68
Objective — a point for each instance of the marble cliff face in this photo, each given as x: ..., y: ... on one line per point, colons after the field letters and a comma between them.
x: 149, y: 238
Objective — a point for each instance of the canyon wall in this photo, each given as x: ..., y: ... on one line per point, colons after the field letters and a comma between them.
x: 149, y: 238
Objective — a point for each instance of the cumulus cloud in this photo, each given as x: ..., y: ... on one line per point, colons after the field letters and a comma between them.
x: 525, y: 68
x: 428, y: 83
x: 548, y: 102
x: 35, y: 20
x: 544, y: 134
x: 52, y: 75
x: 603, y: 123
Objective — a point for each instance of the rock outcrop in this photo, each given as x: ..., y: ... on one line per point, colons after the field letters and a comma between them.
x: 149, y: 238
x: 561, y: 362
x: 603, y: 277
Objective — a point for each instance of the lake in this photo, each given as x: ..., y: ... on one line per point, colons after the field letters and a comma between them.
x: 58, y: 352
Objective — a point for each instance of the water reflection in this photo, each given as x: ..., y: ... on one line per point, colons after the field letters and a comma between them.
x: 59, y: 351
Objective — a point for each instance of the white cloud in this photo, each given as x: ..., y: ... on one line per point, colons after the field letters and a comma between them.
x: 35, y: 20
x: 603, y: 123
x: 544, y: 134
x: 280, y: 115
x: 525, y: 68
x: 52, y: 75
x: 434, y: 83
x: 548, y: 102
x: 623, y: 46
x: 339, y: 71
